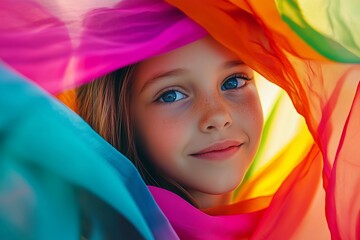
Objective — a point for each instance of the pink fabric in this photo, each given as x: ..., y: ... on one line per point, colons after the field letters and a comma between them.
x: 272, y: 222
x: 323, y: 92
x: 343, y: 205
x: 60, y: 51
x: 191, y: 223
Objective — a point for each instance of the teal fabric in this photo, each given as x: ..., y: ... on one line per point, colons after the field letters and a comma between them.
x: 60, y: 180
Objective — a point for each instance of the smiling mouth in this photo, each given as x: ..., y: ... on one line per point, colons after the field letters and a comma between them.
x: 220, y: 151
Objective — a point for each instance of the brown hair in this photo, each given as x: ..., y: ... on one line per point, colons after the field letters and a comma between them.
x: 105, y: 105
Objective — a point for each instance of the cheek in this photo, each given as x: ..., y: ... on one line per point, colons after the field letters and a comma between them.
x: 162, y: 136
x: 255, y: 120
x: 249, y: 117
x: 255, y: 116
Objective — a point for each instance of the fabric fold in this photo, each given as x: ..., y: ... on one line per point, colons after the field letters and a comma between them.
x: 57, y: 173
x: 310, y: 52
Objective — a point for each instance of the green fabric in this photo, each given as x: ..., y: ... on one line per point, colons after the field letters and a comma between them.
x: 330, y: 27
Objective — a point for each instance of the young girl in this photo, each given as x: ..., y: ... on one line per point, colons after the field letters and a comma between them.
x: 190, y: 119
x: 185, y: 110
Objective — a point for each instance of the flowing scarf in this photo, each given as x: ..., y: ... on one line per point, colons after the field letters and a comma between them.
x: 57, y: 173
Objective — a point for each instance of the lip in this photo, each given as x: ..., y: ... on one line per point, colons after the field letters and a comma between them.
x: 218, y: 151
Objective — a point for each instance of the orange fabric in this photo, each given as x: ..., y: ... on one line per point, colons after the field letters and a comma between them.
x: 68, y: 98
x: 322, y: 91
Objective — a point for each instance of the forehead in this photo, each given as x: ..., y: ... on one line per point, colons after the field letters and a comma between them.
x: 205, y: 53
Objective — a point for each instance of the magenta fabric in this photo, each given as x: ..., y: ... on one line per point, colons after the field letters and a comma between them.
x: 60, y: 45
x: 189, y: 221
x: 60, y: 50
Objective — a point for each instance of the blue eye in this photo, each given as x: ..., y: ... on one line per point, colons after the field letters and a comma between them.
x: 234, y: 82
x: 171, y: 96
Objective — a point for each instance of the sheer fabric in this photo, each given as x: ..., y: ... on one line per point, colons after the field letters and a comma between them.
x: 59, y: 179
x: 61, y: 45
x: 65, y: 44
x: 324, y: 92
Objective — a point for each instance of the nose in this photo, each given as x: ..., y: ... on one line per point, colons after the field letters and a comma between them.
x: 215, y: 116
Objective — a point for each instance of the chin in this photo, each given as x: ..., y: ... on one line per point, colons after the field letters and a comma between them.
x: 222, y: 187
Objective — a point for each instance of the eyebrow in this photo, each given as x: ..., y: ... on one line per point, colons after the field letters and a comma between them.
x: 232, y: 63
x: 181, y: 71
x: 158, y: 77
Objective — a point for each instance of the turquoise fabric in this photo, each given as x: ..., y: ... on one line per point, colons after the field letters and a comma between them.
x: 60, y: 180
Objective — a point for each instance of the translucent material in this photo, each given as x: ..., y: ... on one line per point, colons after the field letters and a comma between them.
x: 60, y: 45
x: 59, y: 179
x: 65, y: 44
x: 324, y: 92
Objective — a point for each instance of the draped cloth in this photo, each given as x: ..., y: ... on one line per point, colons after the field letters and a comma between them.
x: 324, y: 92
x: 53, y: 162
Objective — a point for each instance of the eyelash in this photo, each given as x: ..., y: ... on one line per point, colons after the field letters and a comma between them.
x: 241, y: 76
x: 162, y: 93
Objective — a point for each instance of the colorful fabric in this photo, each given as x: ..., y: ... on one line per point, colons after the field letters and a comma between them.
x: 74, y: 50
x: 305, y: 193
x: 59, y: 179
x: 324, y: 92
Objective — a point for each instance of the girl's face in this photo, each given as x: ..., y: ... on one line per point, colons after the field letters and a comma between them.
x: 199, y: 118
